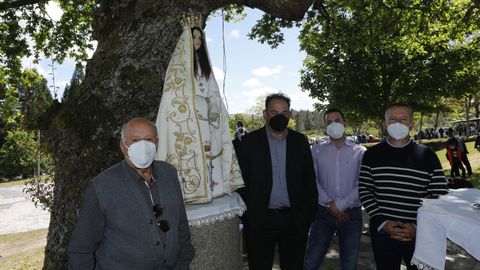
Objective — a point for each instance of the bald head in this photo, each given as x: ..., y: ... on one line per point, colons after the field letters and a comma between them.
x: 137, y: 130
x: 138, y: 124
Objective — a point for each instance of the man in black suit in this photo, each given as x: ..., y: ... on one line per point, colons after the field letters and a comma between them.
x: 280, y: 190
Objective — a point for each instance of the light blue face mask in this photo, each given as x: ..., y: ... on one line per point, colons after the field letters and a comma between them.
x: 398, y: 131
x: 335, y: 130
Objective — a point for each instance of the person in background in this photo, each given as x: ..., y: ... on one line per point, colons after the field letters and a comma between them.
x: 395, y: 175
x: 240, y: 131
x: 477, y: 141
x: 454, y: 157
x: 440, y: 131
x: 337, y: 165
x: 464, y: 156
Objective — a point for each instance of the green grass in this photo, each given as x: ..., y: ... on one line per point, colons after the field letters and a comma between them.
x: 23, y: 181
x: 31, y: 259
x: 14, y: 183
x: 23, y: 250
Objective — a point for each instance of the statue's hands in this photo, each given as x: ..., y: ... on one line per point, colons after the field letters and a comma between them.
x: 213, y: 117
x: 207, y: 147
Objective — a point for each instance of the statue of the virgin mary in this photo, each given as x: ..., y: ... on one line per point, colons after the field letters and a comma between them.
x: 192, y: 121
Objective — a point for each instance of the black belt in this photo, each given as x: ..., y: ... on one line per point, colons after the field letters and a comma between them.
x: 279, y: 210
x: 355, y: 208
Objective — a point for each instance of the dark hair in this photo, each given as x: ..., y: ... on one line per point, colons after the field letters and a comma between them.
x: 410, y: 110
x: 277, y: 96
x: 452, y: 142
x: 239, y: 123
x: 201, y: 56
x: 331, y: 110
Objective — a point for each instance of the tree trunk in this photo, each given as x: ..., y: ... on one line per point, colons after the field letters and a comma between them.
x: 468, y: 105
x: 420, y: 132
x: 476, y: 107
x: 437, y: 117
x: 124, y: 79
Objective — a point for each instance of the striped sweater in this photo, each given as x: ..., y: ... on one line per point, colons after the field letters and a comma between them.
x: 393, y: 180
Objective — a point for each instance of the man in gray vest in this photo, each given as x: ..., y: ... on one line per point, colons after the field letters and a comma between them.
x: 133, y: 216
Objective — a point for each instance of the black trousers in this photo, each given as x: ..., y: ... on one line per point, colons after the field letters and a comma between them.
x: 467, y: 164
x: 456, y: 166
x: 389, y: 252
x: 279, y: 228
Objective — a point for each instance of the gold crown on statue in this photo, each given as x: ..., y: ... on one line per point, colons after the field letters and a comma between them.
x: 191, y: 19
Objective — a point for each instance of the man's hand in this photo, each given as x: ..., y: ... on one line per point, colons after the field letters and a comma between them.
x: 339, y: 215
x: 400, y: 231
x: 342, y: 217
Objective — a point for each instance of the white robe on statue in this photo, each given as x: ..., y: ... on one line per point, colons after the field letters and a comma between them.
x: 194, y: 134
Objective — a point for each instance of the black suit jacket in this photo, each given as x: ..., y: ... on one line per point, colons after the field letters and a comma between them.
x: 256, y: 166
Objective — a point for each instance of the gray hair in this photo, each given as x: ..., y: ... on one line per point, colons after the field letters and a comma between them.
x: 410, y: 110
x: 124, y: 126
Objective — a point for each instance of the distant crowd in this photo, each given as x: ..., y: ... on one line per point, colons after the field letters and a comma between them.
x: 431, y: 133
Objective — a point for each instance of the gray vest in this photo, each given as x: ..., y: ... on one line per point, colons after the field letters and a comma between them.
x: 132, y: 239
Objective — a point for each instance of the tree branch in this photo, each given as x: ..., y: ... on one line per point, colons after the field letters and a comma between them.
x: 475, y: 4
x: 16, y: 4
x: 292, y: 10
x: 322, y: 9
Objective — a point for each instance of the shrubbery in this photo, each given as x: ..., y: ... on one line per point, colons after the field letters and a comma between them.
x: 40, y: 192
x: 18, y: 155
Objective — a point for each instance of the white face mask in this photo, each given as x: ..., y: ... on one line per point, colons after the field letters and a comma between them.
x: 398, y: 131
x: 141, y: 153
x: 335, y: 130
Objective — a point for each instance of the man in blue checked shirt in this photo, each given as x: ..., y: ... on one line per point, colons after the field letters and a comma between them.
x: 337, y: 165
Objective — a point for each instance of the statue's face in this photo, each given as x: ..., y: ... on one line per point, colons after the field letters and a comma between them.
x: 197, y: 39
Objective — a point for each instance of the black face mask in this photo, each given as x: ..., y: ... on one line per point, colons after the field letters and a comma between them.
x: 279, y: 122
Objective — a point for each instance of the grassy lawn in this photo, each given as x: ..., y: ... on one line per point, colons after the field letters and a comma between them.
x: 14, y: 183
x: 23, y: 250
x: 23, y: 181
x: 31, y: 259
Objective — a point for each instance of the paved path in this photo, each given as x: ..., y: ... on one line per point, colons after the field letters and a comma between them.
x: 18, y: 213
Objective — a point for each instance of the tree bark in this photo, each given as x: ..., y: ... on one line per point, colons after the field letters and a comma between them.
x: 124, y: 79
x: 420, y: 132
x: 437, y: 117
x: 468, y: 105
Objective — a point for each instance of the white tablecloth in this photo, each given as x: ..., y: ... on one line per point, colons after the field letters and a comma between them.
x: 451, y: 216
x: 225, y: 207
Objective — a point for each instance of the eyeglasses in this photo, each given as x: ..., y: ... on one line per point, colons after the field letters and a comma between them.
x: 162, y: 223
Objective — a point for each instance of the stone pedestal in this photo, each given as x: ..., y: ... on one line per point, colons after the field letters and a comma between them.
x: 216, y: 233
x: 217, y: 246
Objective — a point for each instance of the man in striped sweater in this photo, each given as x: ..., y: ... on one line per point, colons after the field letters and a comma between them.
x: 395, y: 175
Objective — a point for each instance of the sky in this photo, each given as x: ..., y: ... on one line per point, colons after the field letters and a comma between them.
x: 252, y: 69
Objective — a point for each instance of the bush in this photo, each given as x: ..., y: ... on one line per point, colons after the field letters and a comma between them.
x: 41, y: 192
x: 18, y: 155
